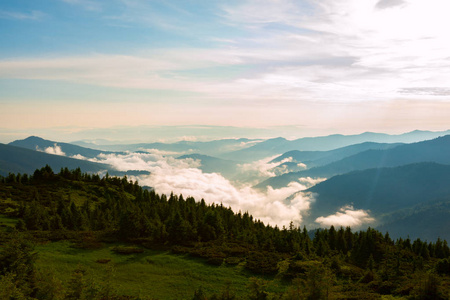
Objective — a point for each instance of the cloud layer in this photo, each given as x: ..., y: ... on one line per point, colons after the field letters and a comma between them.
x: 168, y: 174
x: 347, y: 216
x: 55, y: 150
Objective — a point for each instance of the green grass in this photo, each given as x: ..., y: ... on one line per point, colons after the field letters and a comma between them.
x: 157, y: 274
x: 7, y: 222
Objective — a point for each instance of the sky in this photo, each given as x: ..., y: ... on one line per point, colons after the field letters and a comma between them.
x: 130, y: 68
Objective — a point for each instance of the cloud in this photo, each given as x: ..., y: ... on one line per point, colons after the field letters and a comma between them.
x: 431, y: 91
x: 302, y: 165
x: 370, y: 55
x: 78, y: 156
x: 168, y: 174
x: 261, y: 168
x: 309, y: 181
x: 55, y: 150
x: 382, y: 4
x: 161, y: 152
x: 85, y: 4
x: 347, y: 216
x: 277, y: 70
x: 34, y: 15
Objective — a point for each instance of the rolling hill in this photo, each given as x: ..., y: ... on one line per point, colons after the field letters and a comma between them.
x: 212, y: 148
x: 319, y: 158
x: 40, y: 144
x: 390, y: 194
x: 278, y: 146
x: 435, y: 150
x: 21, y: 160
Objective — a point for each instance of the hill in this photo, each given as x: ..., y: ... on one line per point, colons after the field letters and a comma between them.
x: 21, y: 160
x: 319, y: 158
x: 435, y: 150
x: 428, y: 221
x: 387, y: 193
x: 100, y: 238
x: 213, y: 148
x: 40, y: 144
x: 325, y: 143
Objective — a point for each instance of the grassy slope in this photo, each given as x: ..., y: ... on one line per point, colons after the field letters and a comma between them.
x: 156, y: 274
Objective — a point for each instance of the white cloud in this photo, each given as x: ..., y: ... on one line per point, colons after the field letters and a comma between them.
x: 309, y: 181
x: 289, y: 62
x: 370, y: 54
x: 261, y: 168
x: 347, y: 216
x: 85, y: 4
x: 78, y: 156
x: 55, y: 150
x: 382, y: 4
x: 34, y: 15
x: 302, y: 165
x: 168, y: 174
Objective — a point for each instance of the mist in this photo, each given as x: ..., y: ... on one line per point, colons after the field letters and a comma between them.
x: 347, y: 216
x: 183, y: 176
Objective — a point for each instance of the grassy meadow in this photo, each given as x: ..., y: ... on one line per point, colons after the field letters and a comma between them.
x: 155, y: 274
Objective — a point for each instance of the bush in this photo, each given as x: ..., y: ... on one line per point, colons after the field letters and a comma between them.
x: 262, y: 262
x: 233, y: 260
x: 216, y: 261
x: 300, y: 268
x: 127, y: 250
x: 443, y: 266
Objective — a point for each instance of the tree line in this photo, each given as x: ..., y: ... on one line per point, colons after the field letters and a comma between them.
x: 72, y: 201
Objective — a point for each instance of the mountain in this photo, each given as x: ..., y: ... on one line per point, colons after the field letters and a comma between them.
x: 39, y: 144
x: 288, y: 167
x: 21, y: 160
x: 212, y: 148
x: 386, y: 192
x: 436, y: 150
x: 319, y: 158
x: 426, y: 221
x: 277, y: 146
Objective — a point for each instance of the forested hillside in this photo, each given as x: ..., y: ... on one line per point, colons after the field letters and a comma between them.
x: 92, y: 211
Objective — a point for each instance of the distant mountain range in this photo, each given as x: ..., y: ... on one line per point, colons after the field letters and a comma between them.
x: 392, y: 195
x: 400, y: 180
x: 21, y: 160
x: 214, y: 148
x: 39, y: 144
x: 25, y: 158
x: 247, y: 150
x: 280, y: 145
x: 436, y: 150
x: 320, y: 158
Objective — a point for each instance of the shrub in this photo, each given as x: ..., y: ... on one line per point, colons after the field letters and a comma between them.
x: 262, y: 262
x: 127, y: 250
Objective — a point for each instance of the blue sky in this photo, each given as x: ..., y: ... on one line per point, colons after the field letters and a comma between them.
x: 318, y: 67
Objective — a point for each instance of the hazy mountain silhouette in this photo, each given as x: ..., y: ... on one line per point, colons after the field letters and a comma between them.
x: 325, y: 143
x: 427, y: 221
x: 212, y: 148
x: 21, y: 160
x: 40, y: 144
x: 436, y: 150
x: 319, y: 158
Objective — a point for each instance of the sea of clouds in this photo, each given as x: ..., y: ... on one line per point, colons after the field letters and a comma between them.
x: 183, y: 176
